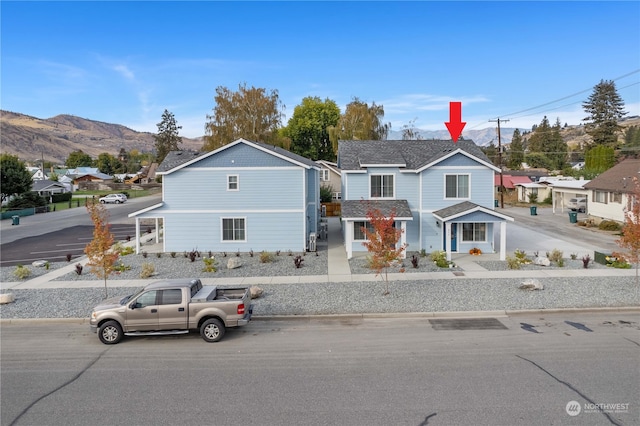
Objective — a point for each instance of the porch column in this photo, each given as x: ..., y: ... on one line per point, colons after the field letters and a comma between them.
x: 137, y: 235
x: 447, y: 233
x: 348, y: 238
x: 157, y: 231
x: 403, y: 237
x: 503, y: 240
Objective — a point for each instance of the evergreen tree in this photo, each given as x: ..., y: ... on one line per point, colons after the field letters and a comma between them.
x: 539, y: 136
x: 605, y: 107
x: 167, y: 139
x: 515, y: 155
x: 78, y: 159
x: 491, y: 151
x: 599, y: 158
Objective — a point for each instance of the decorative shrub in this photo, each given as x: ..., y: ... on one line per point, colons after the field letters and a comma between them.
x: 414, y: 261
x: 266, y: 257
x: 439, y: 257
x: 144, y: 254
x: 147, y: 270
x: 298, y: 261
x: 521, y: 257
x: 617, y: 260
x: 555, y: 256
x: 173, y: 254
x: 69, y: 256
x: 209, y: 264
x: 585, y: 261
x: 513, y: 263
x: 192, y: 255
x: 573, y: 256
x: 121, y: 267
x: 21, y: 272
x: 158, y: 255
x: 609, y: 225
x: 79, y: 268
x: 251, y: 253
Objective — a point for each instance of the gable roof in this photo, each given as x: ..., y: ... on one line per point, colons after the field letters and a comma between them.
x: 39, y: 185
x: 329, y: 165
x: 176, y: 160
x: 413, y: 155
x: 619, y: 178
x: 465, y: 208
x: 357, y: 209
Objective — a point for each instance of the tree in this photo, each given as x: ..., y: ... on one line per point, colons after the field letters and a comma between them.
x: 360, y: 121
x: 251, y: 113
x: 78, y: 159
x: 539, y: 135
x: 547, y: 140
x: 605, y: 107
x: 515, y: 155
x: 599, y: 158
x: 410, y: 132
x: 491, y: 151
x: 102, y: 258
x: 308, y: 128
x: 14, y: 177
x: 630, y: 239
x: 382, y: 243
x: 167, y: 138
x: 108, y: 164
x: 631, y: 147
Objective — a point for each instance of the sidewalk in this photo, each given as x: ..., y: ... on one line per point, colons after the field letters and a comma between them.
x: 338, y: 271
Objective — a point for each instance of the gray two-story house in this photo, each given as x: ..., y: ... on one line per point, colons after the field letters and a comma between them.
x: 441, y: 193
x: 243, y: 196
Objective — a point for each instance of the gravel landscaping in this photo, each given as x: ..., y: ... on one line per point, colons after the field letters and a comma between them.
x: 439, y: 295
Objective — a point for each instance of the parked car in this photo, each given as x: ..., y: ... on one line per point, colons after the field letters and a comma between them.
x: 579, y: 204
x: 113, y: 198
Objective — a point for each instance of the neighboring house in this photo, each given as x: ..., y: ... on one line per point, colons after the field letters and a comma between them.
x: 90, y: 177
x: 243, y: 196
x: 47, y: 187
x: 36, y: 173
x: 442, y: 194
x: 527, y: 190
x: 609, y: 192
x: 564, y: 190
x: 330, y: 176
x: 509, y: 182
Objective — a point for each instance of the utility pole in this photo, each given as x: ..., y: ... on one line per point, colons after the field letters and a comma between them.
x: 500, y: 161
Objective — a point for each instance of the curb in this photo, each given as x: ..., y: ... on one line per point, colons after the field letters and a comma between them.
x: 363, y: 316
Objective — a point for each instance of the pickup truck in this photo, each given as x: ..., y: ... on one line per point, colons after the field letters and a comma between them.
x: 173, y: 307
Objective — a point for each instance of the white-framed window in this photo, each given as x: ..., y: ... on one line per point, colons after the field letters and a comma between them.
x: 615, y: 197
x: 381, y: 186
x: 233, y: 183
x: 358, y: 233
x: 324, y: 175
x: 456, y: 186
x: 234, y: 229
x: 600, y: 197
x: 474, y: 232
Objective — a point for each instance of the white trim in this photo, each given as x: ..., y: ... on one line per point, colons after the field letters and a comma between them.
x: 383, y: 165
x: 145, y: 210
x: 393, y: 196
x: 222, y: 240
x: 473, y: 210
x: 444, y: 192
x: 237, y: 182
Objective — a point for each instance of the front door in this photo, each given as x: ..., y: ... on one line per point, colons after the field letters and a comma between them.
x: 454, y: 238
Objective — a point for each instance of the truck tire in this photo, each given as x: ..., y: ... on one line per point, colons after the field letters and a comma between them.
x: 212, y: 330
x: 110, y: 333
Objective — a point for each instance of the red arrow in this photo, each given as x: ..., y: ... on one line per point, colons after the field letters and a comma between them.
x: 455, y: 123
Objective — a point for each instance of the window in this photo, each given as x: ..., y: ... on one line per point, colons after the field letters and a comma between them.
x: 381, y: 186
x: 172, y: 296
x: 232, y: 183
x: 456, y: 186
x: 600, y: 197
x: 324, y: 174
x: 358, y: 234
x: 146, y: 299
x: 233, y: 229
x: 474, y: 232
x: 615, y: 197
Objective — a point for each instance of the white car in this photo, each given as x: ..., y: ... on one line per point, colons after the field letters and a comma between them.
x: 579, y: 204
x: 113, y: 198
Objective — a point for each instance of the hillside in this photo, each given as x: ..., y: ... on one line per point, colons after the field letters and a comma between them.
x: 32, y: 138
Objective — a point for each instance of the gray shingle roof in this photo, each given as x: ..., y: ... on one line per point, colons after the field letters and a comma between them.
x: 357, y: 209
x: 455, y: 209
x: 411, y: 154
x: 177, y: 158
x: 618, y: 178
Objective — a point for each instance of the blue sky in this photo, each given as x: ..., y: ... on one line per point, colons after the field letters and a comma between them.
x: 126, y: 62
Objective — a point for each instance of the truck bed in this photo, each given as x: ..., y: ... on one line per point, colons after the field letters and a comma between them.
x: 211, y: 293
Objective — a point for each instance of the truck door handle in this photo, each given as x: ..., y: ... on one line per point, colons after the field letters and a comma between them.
x: 180, y: 309
x: 153, y: 311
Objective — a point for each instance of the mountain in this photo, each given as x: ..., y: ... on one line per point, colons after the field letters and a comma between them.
x: 32, y: 138
x: 482, y: 137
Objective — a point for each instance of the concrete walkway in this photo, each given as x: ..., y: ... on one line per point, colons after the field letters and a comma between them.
x: 338, y: 270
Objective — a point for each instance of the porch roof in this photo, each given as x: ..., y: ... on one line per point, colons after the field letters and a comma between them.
x: 458, y: 211
x: 357, y: 209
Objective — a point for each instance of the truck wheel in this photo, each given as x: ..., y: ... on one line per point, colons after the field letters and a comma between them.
x: 110, y: 333
x: 212, y: 330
